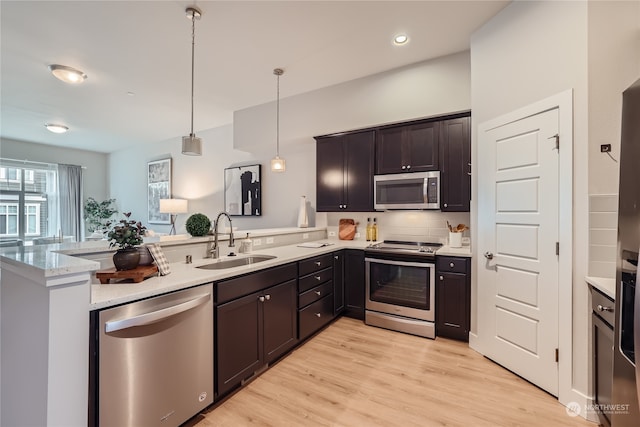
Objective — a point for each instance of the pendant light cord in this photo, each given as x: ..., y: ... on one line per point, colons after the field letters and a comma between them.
x: 278, y: 116
x: 193, y: 44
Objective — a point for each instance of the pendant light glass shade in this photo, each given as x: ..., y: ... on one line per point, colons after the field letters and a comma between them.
x: 278, y: 164
x: 192, y: 145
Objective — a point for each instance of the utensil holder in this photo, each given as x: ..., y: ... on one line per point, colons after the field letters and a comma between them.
x: 455, y: 240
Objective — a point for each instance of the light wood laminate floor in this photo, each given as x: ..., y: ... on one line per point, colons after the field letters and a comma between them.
x: 356, y: 375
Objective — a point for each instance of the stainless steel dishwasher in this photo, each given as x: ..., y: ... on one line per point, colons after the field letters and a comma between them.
x: 155, y: 363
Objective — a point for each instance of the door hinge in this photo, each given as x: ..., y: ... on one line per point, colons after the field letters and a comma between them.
x: 557, y: 248
x: 557, y: 138
x: 557, y: 354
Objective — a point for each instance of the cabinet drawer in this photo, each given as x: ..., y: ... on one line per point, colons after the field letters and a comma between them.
x: 602, y: 306
x: 254, y: 282
x: 313, y: 280
x: 311, y: 265
x: 451, y: 264
x: 315, y: 316
x: 315, y: 294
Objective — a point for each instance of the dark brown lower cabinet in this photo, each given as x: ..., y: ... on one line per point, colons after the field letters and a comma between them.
x: 602, y: 334
x: 338, y: 282
x: 354, y: 284
x: 253, y: 331
x: 453, y: 297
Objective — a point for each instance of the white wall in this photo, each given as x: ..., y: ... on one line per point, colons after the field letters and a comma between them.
x: 528, y: 52
x: 95, y: 178
x: 614, y: 64
x: 421, y: 90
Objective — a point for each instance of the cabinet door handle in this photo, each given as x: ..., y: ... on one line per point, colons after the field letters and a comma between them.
x: 409, y: 167
x: 261, y: 299
x: 451, y: 265
x: 318, y: 293
x: 318, y: 314
x: 336, y: 257
x: 445, y: 205
x: 318, y: 278
x: 267, y: 297
x: 318, y: 263
x: 441, y: 278
x: 404, y: 167
x: 604, y: 308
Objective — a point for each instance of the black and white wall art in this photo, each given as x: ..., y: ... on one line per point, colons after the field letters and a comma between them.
x: 242, y: 191
x: 158, y: 187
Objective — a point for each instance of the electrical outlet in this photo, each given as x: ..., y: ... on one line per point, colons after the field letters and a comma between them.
x: 257, y: 242
x: 357, y: 235
x: 269, y: 240
x: 332, y: 234
x: 305, y: 235
x: 605, y: 148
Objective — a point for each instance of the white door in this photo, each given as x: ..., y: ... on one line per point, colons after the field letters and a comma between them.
x: 518, y: 230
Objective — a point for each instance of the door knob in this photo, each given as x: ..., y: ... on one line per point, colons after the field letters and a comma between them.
x: 488, y: 255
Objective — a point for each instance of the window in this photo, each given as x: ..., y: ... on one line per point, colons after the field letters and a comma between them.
x: 28, y: 200
x: 9, y: 219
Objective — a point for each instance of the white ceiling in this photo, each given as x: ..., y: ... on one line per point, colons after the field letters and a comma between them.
x: 144, y: 47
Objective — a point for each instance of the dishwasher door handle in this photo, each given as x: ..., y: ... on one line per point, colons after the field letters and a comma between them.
x: 155, y: 316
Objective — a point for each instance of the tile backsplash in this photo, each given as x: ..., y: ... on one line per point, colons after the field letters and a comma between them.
x: 402, y: 225
x: 603, y: 234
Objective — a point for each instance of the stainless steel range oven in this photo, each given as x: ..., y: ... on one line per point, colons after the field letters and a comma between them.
x: 400, y: 286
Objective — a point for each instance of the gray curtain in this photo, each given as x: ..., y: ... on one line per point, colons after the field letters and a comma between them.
x: 70, y: 191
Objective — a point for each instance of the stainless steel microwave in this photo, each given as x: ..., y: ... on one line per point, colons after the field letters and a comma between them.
x: 418, y: 190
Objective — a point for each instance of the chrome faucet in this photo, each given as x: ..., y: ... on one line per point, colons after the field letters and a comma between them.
x: 214, y: 252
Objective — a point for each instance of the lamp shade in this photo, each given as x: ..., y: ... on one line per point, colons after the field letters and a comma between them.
x: 173, y: 206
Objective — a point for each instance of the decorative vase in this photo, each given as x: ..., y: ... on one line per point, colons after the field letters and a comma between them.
x: 145, y: 256
x: 126, y: 259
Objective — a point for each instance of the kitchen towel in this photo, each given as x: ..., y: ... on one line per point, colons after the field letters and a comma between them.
x: 303, y: 218
x: 161, y: 261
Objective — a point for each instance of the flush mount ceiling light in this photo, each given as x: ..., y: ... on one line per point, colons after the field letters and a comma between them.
x: 51, y: 127
x: 67, y: 74
x: 400, y: 39
x: 192, y: 145
x: 278, y: 164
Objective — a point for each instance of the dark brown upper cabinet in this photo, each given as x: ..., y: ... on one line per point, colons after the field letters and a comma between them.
x: 344, y: 172
x: 455, y: 165
x: 407, y: 148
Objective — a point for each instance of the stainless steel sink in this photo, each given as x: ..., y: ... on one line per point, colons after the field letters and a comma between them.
x: 236, y: 262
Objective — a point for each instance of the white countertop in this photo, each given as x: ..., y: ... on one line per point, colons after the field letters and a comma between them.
x: 55, y: 260
x: 185, y: 275
x: 606, y: 285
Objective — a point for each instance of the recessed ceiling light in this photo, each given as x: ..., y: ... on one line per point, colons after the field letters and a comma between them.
x: 400, y: 39
x: 51, y: 127
x: 67, y: 74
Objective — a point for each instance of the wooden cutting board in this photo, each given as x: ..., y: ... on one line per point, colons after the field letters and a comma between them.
x: 347, y: 229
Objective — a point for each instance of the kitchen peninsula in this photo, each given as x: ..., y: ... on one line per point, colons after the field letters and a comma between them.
x: 47, y: 293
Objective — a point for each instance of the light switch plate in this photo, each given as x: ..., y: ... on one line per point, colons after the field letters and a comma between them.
x: 305, y: 235
x: 332, y: 234
x: 257, y: 242
x: 269, y: 240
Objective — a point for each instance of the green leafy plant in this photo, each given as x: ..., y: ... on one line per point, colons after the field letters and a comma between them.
x: 198, y: 224
x: 127, y: 233
x: 98, y: 214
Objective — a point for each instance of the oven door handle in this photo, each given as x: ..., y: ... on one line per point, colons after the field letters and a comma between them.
x: 404, y: 263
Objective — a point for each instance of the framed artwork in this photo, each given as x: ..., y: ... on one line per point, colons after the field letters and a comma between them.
x: 242, y: 191
x: 158, y: 187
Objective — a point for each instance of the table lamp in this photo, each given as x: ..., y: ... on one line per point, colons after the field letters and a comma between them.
x: 173, y: 207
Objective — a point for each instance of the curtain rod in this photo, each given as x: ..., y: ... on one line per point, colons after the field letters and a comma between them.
x: 24, y: 162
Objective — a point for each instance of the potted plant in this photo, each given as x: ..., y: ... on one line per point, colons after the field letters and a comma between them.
x: 98, y: 215
x: 198, y: 224
x: 126, y: 235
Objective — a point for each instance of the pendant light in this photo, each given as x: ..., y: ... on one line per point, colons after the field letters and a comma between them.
x: 192, y: 145
x: 278, y: 164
